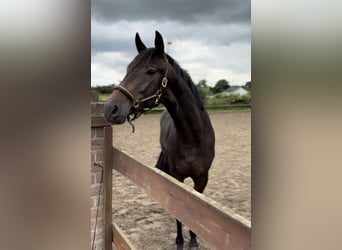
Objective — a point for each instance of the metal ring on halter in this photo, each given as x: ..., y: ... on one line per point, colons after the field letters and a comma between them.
x: 136, y: 104
x: 164, y: 82
x: 158, y: 95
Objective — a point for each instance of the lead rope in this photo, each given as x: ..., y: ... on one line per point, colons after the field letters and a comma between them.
x: 129, y: 119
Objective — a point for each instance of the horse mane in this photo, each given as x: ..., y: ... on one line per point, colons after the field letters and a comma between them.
x: 186, y: 77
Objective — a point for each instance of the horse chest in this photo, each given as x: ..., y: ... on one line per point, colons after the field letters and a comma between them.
x: 188, y: 161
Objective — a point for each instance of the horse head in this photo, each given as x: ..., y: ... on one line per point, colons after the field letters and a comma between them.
x: 143, y: 84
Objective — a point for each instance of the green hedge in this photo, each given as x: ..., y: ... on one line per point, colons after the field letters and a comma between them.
x: 104, y: 89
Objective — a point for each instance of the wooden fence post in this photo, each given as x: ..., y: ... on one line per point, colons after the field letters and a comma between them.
x: 101, y: 170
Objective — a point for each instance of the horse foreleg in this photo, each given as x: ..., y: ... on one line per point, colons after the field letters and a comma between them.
x: 179, y: 238
x: 200, y: 184
x: 193, y: 245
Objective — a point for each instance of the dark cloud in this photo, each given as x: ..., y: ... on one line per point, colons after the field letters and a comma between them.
x: 211, y: 39
x: 119, y: 36
x: 191, y: 11
x: 100, y: 44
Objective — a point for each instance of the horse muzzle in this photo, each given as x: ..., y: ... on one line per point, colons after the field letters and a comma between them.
x: 115, y: 113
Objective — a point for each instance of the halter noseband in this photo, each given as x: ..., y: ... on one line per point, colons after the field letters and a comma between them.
x: 136, y: 102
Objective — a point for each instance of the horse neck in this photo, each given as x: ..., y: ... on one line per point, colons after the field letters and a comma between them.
x: 186, y: 115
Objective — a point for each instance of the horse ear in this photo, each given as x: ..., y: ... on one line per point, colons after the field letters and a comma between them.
x: 159, y: 43
x: 138, y: 43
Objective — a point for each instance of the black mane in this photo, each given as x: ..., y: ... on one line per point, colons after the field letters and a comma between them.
x: 183, y: 74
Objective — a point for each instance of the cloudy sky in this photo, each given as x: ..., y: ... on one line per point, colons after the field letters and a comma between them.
x: 209, y: 39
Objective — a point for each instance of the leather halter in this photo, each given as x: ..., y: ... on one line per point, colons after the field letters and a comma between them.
x: 136, y: 102
x: 135, y: 111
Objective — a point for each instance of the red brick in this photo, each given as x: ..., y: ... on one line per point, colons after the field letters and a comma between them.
x: 98, y: 223
x: 98, y: 177
x: 97, y: 108
x: 95, y: 189
x: 99, y: 155
x: 95, y: 168
x: 98, y: 235
x: 99, y: 132
x: 95, y: 199
x: 93, y: 212
x: 97, y: 141
x: 98, y: 244
x: 92, y: 157
x: 93, y: 179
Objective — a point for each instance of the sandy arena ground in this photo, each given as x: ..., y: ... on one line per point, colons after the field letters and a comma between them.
x: 146, y: 224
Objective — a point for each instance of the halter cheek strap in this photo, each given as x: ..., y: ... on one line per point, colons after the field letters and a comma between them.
x: 157, y: 95
x: 136, y: 102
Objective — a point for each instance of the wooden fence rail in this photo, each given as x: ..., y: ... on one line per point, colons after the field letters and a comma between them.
x: 121, y: 242
x: 220, y: 228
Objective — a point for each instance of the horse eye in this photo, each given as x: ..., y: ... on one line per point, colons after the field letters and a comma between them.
x: 151, y: 71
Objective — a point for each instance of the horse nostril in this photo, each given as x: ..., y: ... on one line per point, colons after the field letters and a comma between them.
x: 115, y: 112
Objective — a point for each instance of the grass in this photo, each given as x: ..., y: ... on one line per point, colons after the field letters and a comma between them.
x: 103, y: 97
x: 217, y: 101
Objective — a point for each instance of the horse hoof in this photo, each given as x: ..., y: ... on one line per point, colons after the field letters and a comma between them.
x: 180, y: 247
x: 193, y: 246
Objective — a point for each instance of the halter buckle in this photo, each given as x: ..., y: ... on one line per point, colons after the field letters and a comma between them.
x: 164, y: 82
x: 158, y: 95
x: 136, y: 104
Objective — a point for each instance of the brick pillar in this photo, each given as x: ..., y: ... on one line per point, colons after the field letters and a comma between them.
x: 101, y: 148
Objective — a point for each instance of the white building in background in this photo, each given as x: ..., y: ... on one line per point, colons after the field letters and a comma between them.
x: 235, y: 90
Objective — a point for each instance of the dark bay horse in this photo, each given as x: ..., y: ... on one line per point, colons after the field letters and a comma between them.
x: 186, y: 135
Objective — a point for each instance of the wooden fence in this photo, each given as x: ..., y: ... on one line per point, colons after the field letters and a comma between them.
x: 220, y: 228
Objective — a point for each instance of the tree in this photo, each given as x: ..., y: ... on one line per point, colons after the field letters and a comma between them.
x: 220, y: 86
x: 202, y: 84
x: 106, y: 89
x: 248, y: 86
x: 203, y: 89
